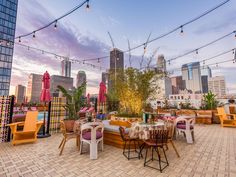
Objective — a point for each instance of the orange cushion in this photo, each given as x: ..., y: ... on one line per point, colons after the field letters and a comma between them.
x: 120, y: 123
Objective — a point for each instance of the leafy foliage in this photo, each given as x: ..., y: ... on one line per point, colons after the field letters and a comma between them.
x: 132, y: 88
x: 75, y: 100
x: 209, y: 101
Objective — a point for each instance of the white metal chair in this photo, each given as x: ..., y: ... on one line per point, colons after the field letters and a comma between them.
x: 185, y: 124
x: 92, y: 133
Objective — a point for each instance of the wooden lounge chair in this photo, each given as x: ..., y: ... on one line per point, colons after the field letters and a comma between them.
x: 30, y: 129
x: 225, y: 118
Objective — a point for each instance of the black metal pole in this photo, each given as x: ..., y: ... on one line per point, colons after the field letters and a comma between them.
x: 49, y: 116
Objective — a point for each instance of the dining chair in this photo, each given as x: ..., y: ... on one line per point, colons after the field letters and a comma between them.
x: 170, y: 126
x: 185, y: 124
x: 127, y: 140
x: 92, y: 134
x: 67, y: 136
x: 157, y: 141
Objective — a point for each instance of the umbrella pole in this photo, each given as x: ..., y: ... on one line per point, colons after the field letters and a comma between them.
x: 44, y: 117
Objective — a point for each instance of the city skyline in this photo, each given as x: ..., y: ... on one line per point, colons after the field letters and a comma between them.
x: 76, y: 35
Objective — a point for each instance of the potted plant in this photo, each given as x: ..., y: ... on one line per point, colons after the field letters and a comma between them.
x: 74, y: 103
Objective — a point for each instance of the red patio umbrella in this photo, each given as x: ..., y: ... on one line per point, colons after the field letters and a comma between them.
x: 101, y: 95
x: 45, y: 97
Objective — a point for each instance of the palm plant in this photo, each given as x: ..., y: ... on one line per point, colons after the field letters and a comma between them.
x: 210, y: 101
x: 74, y: 99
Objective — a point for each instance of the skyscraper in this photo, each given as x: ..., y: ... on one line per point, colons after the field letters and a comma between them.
x: 191, y: 74
x: 116, y: 65
x: 206, y: 74
x: 20, y: 93
x: 161, y: 63
x: 63, y: 81
x: 66, y: 67
x: 34, y: 87
x: 116, y: 59
x: 8, y: 13
x: 81, y: 78
x: 217, y: 86
x: 177, y: 84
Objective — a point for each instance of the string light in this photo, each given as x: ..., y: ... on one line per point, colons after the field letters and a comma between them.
x: 34, y: 34
x: 98, y: 60
x: 197, y: 51
x: 83, y: 62
x: 55, y: 25
x: 182, y: 30
x: 87, y: 5
x: 233, y: 51
x: 19, y: 39
x: 235, y: 34
x: 204, y: 62
x: 53, y: 22
x: 169, y: 62
x: 144, y: 48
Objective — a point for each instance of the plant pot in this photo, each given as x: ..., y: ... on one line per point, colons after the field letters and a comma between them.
x: 69, y: 124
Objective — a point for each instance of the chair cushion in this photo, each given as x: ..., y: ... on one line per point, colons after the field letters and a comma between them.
x: 87, y: 135
x: 183, y: 126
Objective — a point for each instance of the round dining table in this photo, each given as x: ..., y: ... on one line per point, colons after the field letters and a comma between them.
x: 141, y: 130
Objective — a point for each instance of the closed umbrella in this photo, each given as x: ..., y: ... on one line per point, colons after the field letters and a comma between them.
x: 45, y: 97
x: 101, y: 95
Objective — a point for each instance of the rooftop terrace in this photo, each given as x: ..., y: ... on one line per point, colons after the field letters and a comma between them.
x: 212, y: 154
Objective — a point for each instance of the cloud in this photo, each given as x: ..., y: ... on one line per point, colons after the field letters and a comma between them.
x: 66, y: 41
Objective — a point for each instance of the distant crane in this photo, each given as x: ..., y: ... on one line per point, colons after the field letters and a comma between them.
x: 152, y: 56
x: 130, y: 63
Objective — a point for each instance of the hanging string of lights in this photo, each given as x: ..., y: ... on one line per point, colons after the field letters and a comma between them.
x: 179, y: 27
x: 218, y: 55
x: 54, y: 22
x: 144, y: 45
x: 203, y: 46
x: 216, y: 64
x: 61, y: 57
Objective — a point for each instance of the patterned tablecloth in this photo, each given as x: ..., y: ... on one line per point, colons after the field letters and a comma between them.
x: 141, y: 130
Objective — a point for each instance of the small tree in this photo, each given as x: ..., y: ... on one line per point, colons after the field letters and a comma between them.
x: 132, y: 88
x: 74, y: 99
x: 209, y: 101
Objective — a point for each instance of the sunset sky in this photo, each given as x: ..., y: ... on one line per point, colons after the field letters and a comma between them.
x: 83, y: 34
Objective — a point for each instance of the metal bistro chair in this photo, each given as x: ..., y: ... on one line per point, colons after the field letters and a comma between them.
x: 127, y: 141
x: 158, y: 139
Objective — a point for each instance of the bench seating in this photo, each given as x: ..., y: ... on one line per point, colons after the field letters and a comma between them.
x: 112, y: 134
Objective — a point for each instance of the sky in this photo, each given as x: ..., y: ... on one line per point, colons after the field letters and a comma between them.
x: 84, y: 34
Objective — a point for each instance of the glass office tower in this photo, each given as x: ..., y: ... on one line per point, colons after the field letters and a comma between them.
x: 8, y: 12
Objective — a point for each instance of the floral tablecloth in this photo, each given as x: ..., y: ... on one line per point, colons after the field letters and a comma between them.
x: 141, y: 130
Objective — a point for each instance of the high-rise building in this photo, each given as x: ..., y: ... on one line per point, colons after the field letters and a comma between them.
x: 63, y: 81
x: 81, y: 78
x: 8, y: 13
x: 34, y: 87
x: 161, y: 84
x: 66, y: 67
x: 116, y: 59
x: 177, y: 84
x: 161, y: 63
x: 116, y: 65
x: 191, y: 74
x: 20, y: 93
x: 217, y: 86
x: 206, y: 71
x: 204, y: 84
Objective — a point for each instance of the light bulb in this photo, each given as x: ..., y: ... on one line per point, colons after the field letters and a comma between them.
x: 19, y: 39
x: 182, y: 30
x: 34, y: 34
x: 55, y: 25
